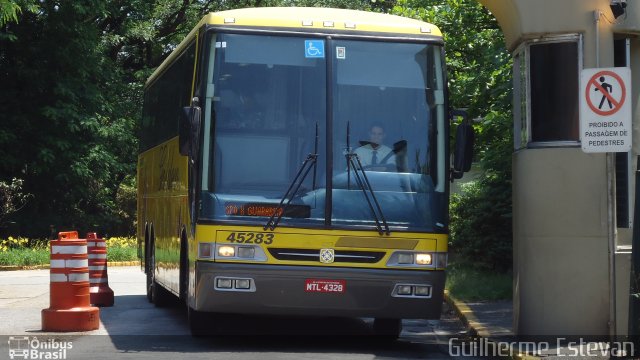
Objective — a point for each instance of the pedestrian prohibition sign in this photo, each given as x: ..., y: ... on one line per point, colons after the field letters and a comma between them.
x: 605, y: 112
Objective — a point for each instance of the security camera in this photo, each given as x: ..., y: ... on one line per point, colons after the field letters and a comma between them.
x: 618, y: 7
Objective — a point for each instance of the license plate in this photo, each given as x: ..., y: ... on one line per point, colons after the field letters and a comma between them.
x: 325, y: 286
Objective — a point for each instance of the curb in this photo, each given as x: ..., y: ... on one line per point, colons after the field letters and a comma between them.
x: 467, y: 316
x: 476, y: 329
x: 46, y: 266
x: 123, y: 263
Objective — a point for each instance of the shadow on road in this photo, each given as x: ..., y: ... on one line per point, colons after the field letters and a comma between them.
x: 134, y: 325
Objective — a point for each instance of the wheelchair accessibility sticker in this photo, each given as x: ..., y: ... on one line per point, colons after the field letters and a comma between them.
x: 314, y: 48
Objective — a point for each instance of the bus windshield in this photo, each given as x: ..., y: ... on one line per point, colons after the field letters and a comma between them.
x: 267, y: 110
x: 389, y: 110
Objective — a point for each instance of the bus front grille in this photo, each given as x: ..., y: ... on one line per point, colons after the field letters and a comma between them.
x: 313, y: 255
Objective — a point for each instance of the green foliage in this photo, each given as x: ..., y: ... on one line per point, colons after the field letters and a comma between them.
x: 76, y: 72
x: 69, y: 126
x: 478, y: 64
x: 58, y: 133
x: 481, y: 224
x: 479, y: 80
x: 12, y: 198
x: 9, y: 11
x: 481, y: 217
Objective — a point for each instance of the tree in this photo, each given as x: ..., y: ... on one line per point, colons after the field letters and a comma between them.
x: 8, y: 12
x: 55, y: 130
x: 12, y: 199
x: 479, y: 80
x: 76, y: 72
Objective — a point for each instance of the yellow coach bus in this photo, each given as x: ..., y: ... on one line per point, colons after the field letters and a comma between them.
x: 295, y: 161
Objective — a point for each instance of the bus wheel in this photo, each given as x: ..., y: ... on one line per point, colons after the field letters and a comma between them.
x: 160, y: 296
x: 388, y: 329
x: 150, y: 269
x: 197, y: 322
x: 184, y: 270
x: 149, y: 286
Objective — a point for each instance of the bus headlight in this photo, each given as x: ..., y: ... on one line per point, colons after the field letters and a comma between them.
x: 240, y: 252
x: 226, y: 251
x: 416, y: 259
x: 423, y: 259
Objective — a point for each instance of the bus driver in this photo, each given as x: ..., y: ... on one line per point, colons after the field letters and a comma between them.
x: 373, y: 154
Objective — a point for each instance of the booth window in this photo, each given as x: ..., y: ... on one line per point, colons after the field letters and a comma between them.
x: 623, y: 160
x: 547, y: 75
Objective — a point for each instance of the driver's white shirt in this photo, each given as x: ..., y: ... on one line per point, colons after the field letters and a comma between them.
x: 365, y: 153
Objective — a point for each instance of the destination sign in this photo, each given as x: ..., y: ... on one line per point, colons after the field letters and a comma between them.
x: 266, y: 210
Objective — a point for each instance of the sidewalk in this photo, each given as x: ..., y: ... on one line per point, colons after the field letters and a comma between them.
x: 491, y: 321
x: 490, y: 324
x: 488, y: 319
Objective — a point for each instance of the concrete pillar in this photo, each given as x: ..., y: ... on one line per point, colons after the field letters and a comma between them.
x: 565, y: 281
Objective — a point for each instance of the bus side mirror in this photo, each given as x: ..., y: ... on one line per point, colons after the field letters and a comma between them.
x: 463, y: 152
x: 189, y: 130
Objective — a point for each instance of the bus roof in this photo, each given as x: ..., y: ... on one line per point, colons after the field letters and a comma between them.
x: 310, y: 19
x: 321, y: 18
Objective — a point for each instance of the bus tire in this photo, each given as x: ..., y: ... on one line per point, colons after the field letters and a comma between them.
x: 184, y: 269
x: 160, y: 296
x: 197, y: 322
x: 388, y: 329
x: 149, y: 285
x: 149, y: 267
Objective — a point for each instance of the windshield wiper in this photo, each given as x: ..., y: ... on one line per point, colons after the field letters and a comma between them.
x: 360, y: 176
x: 315, y: 163
x: 363, y: 183
x: 279, y: 211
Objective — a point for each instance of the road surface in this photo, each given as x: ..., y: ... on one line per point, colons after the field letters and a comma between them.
x: 135, y: 329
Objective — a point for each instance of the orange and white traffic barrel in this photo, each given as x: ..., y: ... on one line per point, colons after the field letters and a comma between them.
x: 70, y: 309
x: 100, y: 292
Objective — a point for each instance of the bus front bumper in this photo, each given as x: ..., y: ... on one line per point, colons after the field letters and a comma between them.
x: 321, y: 291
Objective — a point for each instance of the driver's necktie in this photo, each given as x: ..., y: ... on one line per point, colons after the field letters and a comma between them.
x: 374, y: 157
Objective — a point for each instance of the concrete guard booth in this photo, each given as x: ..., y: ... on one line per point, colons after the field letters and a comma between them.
x: 572, y: 211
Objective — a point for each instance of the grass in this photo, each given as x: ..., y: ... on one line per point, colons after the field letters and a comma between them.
x: 471, y: 284
x: 122, y: 254
x: 24, y: 257
x: 22, y: 252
